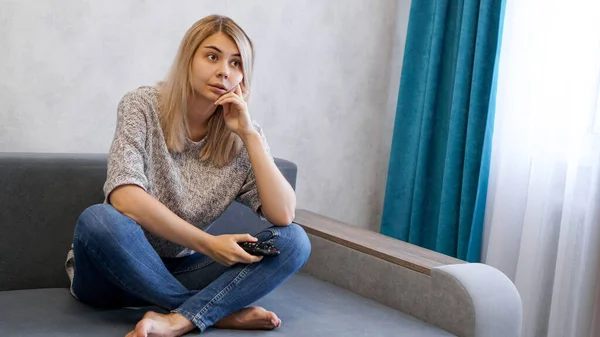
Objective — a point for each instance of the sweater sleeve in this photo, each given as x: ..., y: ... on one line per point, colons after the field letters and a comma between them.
x: 248, y: 194
x: 127, y: 153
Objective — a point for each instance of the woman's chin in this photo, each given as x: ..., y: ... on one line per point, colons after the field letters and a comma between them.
x: 209, y: 96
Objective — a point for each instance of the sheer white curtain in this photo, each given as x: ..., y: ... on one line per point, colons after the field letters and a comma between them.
x: 543, y: 211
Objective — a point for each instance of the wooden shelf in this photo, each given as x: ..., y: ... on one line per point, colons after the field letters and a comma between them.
x: 395, y: 251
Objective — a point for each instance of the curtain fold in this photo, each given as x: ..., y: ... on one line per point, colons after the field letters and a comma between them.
x: 441, y: 123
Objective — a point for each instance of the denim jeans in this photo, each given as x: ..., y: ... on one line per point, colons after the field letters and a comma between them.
x: 115, y: 266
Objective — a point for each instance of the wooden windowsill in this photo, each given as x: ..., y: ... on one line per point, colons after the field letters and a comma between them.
x: 395, y: 251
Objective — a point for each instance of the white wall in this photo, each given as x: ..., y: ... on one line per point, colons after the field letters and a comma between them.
x: 325, y: 86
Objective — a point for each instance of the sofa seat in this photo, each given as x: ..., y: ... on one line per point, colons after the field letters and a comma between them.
x: 307, y: 307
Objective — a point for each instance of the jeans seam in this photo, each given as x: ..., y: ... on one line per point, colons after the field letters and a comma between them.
x: 223, y: 292
x: 192, y: 318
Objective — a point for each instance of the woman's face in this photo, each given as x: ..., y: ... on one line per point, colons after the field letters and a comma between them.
x: 216, y: 67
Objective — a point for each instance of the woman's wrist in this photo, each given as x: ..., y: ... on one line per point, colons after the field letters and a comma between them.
x: 250, y: 136
x: 202, y: 241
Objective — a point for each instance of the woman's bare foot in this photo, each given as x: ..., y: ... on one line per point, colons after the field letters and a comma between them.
x: 251, y: 318
x: 158, y: 325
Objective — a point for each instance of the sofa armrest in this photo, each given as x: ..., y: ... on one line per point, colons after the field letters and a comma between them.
x: 476, y: 296
x: 466, y: 299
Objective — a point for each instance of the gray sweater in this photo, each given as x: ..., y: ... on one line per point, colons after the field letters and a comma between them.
x: 195, y: 191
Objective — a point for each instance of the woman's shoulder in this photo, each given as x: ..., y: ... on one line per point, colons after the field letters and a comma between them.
x: 143, y: 95
x: 139, y: 104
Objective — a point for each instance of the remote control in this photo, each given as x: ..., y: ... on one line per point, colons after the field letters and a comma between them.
x: 259, y: 248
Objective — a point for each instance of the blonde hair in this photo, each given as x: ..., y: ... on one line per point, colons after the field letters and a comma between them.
x: 222, y: 145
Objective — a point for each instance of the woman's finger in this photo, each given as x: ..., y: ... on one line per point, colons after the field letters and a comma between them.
x: 228, y: 97
x: 221, y: 99
x: 233, y: 100
x: 249, y: 258
x: 229, y: 94
x: 245, y: 257
x: 244, y: 238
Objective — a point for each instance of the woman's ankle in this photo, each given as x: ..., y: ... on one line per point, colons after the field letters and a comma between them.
x: 180, y: 323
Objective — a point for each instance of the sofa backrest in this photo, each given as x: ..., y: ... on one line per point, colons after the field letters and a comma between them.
x: 41, y: 197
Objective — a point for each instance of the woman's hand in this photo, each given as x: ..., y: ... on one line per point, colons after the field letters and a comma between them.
x: 225, y: 250
x: 235, y: 112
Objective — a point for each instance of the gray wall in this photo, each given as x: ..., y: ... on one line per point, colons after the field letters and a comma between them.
x: 325, y: 87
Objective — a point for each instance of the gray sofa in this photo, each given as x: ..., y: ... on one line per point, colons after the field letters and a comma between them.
x: 356, y: 282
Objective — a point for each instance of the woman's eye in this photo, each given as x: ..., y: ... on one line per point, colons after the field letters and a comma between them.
x: 212, y: 57
x: 236, y: 63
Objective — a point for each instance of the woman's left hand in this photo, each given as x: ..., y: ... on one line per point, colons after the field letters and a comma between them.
x: 235, y: 112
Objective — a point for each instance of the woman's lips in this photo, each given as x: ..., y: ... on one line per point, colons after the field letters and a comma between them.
x: 217, y: 89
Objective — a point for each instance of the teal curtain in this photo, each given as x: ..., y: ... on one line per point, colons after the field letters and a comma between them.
x: 439, y: 161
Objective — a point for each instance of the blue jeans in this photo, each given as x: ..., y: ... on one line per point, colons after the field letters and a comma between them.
x: 115, y: 266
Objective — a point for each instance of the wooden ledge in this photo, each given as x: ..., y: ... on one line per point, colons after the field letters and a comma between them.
x: 395, y: 251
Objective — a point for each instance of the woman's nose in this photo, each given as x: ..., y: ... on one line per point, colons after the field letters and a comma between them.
x: 223, y: 71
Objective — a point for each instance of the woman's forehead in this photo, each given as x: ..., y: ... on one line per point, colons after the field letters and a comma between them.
x: 221, y: 43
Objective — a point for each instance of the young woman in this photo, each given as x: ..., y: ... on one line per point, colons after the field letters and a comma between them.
x: 182, y: 152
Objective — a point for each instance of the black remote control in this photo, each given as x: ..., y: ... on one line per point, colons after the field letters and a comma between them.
x: 259, y: 248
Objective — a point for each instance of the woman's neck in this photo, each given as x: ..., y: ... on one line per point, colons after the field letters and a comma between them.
x: 199, y: 111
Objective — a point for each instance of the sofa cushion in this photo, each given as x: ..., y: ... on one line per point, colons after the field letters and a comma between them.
x: 306, y: 306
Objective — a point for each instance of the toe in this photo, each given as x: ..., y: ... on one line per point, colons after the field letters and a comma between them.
x: 273, y: 319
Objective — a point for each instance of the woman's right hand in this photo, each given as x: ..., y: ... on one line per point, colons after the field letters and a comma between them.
x: 225, y: 250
